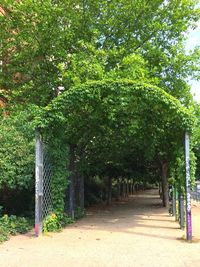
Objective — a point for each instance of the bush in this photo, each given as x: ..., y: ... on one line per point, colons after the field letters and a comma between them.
x: 16, y: 154
x: 4, y: 234
x: 54, y: 222
x: 12, y: 225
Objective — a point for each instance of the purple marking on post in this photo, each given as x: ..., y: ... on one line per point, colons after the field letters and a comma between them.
x: 189, y: 225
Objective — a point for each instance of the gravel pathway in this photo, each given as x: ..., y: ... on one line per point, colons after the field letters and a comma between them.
x: 132, y: 233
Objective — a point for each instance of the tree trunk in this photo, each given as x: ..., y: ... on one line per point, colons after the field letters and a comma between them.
x: 109, y: 191
x: 118, y: 189
x: 81, y: 192
x: 132, y: 187
x: 165, y: 194
x: 127, y: 188
x: 160, y: 189
x: 123, y: 188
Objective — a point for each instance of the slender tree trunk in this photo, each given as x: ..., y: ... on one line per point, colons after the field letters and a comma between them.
x: 124, y: 191
x: 165, y: 194
x: 118, y: 189
x: 127, y: 193
x: 109, y: 191
x: 81, y: 191
x: 129, y: 187
x: 121, y: 188
x: 160, y: 189
x: 132, y: 187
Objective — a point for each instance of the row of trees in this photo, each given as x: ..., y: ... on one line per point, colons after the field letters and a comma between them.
x: 50, y: 48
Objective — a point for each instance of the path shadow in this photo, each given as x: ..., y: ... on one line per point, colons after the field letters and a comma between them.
x: 143, y: 212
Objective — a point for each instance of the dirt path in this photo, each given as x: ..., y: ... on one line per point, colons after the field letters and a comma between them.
x: 138, y: 232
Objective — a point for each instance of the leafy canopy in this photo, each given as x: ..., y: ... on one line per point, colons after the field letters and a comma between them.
x: 48, y: 46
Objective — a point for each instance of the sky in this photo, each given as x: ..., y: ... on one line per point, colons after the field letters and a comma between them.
x: 192, y: 41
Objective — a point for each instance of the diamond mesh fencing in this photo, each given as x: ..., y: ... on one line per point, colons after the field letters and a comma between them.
x: 47, y: 204
x: 195, y: 195
x: 43, y: 180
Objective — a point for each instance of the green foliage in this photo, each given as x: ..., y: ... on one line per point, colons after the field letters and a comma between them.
x: 196, y: 140
x: 57, y: 149
x: 107, y: 116
x: 4, y: 234
x: 17, y: 152
x: 105, y: 100
x: 54, y: 222
x: 177, y: 170
x: 12, y: 225
x: 96, y: 40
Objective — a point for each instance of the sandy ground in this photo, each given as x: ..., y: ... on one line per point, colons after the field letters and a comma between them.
x: 133, y: 233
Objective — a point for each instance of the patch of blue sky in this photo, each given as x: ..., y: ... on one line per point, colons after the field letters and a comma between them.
x: 192, y: 41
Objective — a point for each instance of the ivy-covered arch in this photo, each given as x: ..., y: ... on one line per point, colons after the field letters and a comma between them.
x: 98, y: 104
x: 117, y: 118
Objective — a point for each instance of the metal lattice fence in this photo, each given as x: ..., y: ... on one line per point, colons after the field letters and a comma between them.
x: 43, y: 179
x: 47, y: 179
x: 195, y: 195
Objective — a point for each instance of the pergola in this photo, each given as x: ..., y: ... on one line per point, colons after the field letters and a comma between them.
x: 83, y: 111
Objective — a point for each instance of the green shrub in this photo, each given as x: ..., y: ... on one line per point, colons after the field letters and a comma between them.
x: 4, y: 234
x: 1, y: 210
x: 12, y: 225
x: 17, y: 153
x: 54, y: 222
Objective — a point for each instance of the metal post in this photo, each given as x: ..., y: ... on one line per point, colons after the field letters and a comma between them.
x: 181, y: 199
x: 177, y: 205
x: 38, y: 183
x: 174, y: 201
x: 196, y: 193
x: 188, y: 189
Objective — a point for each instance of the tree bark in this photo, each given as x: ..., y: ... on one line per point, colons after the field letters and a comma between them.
x: 133, y: 187
x: 109, y: 191
x: 160, y: 189
x: 127, y: 188
x: 118, y: 189
x: 81, y: 192
x: 165, y: 194
x: 123, y: 188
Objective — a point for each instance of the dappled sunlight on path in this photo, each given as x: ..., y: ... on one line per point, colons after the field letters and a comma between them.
x: 129, y: 233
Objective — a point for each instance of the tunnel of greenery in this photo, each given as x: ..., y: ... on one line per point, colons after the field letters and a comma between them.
x: 104, y: 137
x: 115, y: 136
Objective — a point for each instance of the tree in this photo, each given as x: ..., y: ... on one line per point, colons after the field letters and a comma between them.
x: 16, y: 163
x: 196, y: 140
x: 49, y: 46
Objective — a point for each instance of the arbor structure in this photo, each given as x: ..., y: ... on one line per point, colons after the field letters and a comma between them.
x: 115, y: 127
x: 49, y: 49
